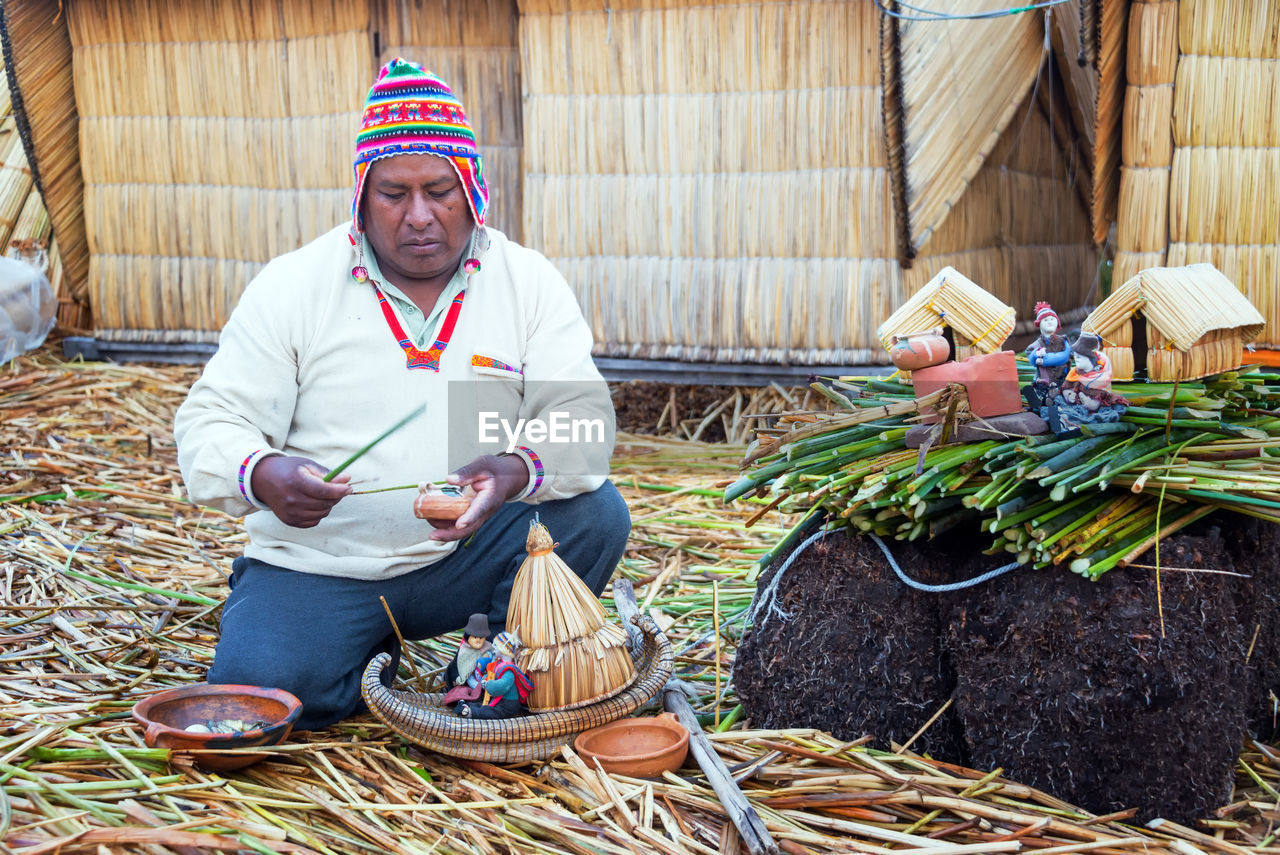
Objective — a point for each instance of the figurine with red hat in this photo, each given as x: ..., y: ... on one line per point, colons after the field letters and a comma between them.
x: 1049, y: 354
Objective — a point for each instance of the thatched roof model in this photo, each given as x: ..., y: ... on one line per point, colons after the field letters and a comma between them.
x: 1193, y: 309
x: 980, y: 319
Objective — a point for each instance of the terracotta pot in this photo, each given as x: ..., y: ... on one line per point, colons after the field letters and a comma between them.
x: 991, y: 380
x: 166, y: 715
x: 639, y: 747
x: 919, y: 350
x: 440, y: 506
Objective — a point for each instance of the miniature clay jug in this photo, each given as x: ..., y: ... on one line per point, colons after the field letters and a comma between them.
x: 919, y: 350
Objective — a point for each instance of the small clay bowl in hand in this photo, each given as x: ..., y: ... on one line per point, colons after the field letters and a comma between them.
x: 440, y: 506
x: 638, y: 747
x: 166, y: 715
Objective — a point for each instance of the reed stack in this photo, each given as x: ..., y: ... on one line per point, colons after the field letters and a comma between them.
x: 573, y: 654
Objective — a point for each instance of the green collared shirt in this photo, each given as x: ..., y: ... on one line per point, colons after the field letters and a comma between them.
x: 421, y: 328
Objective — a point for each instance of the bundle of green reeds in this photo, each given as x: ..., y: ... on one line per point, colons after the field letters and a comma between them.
x: 1092, y: 502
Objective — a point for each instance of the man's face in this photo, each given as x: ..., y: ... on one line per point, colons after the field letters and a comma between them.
x: 416, y: 218
x: 1048, y: 326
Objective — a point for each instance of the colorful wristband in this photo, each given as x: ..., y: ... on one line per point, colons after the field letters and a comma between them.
x: 538, y: 470
x: 244, y: 467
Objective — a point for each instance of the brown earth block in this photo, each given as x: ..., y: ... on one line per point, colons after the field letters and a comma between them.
x: 1064, y: 683
x: 1255, y: 549
x: 1071, y: 686
x: 860, y: 654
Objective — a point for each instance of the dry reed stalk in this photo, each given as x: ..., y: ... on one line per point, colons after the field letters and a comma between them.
x: 80, y: 652
x: 1148, y: 135
x: 33, y: 221
x: 15, y: 185
x: 1203, y: 210
x: 710, y: 256
x: 1153, y: 32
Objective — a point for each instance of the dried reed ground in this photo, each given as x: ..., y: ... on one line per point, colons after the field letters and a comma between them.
x: 111, y: 587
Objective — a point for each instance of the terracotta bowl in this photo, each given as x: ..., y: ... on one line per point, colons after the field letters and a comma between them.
x: 639, y: 747
x: 166, y: 714
x: 440, y: 506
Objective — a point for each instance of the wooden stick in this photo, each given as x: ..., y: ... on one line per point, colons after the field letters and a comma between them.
x: 740, y: 812
x: 422, y: 685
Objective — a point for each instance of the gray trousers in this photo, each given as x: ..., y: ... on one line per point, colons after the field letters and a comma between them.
x: 313, y: 635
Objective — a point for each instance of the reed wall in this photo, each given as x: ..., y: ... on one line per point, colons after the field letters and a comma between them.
x: 712, y: 178
x: 223, y: 133
x: 1224, y: 199
x: 473, y: 46
x: 47, y: 115
x: 671, y: 186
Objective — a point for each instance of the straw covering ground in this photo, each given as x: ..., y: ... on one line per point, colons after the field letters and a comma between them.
x: 111, y: 589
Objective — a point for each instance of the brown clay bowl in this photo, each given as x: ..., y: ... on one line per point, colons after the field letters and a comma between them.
x: 440, y: 506
x: 165, y: 715
x: 639, y: 747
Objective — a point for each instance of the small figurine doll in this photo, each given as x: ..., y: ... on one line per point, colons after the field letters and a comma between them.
x: 506, y: 687
x: 1049, y: 354
x: 1086, y: 396
x: 466, y: 672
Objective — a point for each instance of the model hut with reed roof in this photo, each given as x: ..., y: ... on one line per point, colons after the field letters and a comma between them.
x: 1194, y: 323
x: 979, y: 321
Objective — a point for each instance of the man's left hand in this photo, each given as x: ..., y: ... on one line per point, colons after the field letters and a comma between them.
x: 495, y: 478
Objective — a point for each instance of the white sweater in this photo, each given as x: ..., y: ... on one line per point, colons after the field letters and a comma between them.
x: 308, y: 365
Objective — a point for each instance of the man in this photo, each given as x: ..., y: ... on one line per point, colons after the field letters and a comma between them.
x: 413, y: 302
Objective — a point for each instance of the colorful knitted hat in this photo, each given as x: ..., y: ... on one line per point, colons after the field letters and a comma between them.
x: 507, y: 644
x: 411, y: 111
x: 1044, y: 310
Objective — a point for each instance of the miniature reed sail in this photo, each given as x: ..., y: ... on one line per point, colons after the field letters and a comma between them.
x: 572, y: 653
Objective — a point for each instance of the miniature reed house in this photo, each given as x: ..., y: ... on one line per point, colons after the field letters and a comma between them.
x: 1194, y: 322
x: 979, y: 321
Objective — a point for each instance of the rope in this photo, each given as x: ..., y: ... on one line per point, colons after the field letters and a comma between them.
x: 939, y: 589
x: 768, y: 599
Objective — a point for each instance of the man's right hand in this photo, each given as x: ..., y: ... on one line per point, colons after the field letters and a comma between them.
x: 295, y: 490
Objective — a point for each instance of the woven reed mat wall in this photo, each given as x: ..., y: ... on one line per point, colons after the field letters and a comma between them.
x: 959, y: 85
x: 711, y: 179
x: 473, y: 46
x: 214, y: 136
x: 1224, y: 199
x: 38, y: 57
x: 1142, y: 232
x: 671, y: 186
x: 25, y: 230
